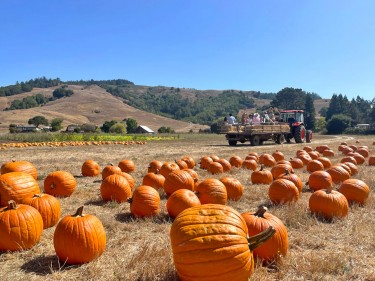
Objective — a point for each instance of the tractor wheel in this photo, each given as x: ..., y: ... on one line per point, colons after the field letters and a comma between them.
x: 308, y: 136
x: 232, y: 142
x: 255, y: 140
x: 280, y: 139
x: 300, y: 134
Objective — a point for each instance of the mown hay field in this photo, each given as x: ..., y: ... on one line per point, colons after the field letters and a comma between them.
x: 139, y: 249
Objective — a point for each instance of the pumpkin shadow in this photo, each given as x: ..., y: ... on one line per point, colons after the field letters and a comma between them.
x: 129, y: 218
x: 96, y: 202
x: 44, y: 265
x: 125, y: 217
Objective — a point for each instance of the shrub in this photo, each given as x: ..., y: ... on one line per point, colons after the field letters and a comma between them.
x: 118, y: 128
x: 338, y: 123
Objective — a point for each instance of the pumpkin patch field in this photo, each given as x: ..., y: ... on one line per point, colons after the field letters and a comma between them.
x: 189, y: 208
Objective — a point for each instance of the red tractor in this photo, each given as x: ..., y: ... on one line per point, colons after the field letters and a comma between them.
x: 295, y: 119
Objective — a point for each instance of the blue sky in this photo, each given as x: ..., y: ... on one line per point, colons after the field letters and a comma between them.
x: 321, y: 46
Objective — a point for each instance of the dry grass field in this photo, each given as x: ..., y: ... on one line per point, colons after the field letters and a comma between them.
x: 139, y: 249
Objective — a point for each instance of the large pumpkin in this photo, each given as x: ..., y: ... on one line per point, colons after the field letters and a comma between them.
x: 338, y: 173
x: 277, y: 245
x: 17, y: 186
x: 210, y: 242
x: 145, y: 201
x: 234, y: 188
x: 19, y: 166
x: 180, y: 200
x: 48, y: 206
x: 115, y: 187
x: 178, y: 179
x: 212, y: 191
x: 328, y: 203
x: 79, y: 238
x: 60, y: 184
x: 20, y: 227
x: 355, y: 190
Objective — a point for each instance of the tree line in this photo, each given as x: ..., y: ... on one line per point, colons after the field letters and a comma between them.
x: 28, y: 86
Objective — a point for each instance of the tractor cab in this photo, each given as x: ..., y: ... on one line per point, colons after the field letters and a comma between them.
x: 291, y: 116
x: 296, y: 121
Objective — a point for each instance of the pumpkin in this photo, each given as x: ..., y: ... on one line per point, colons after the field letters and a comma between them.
x: 214, y: 240
x: 296, y: 163
x: 234, y: 188
x: 314, y: 165
x: 129, y: 178
x: 338, y: 173
x: 308, y: 148
x: 115, y: 188
x: 277, y: 245
x: 293, y: 178
x: 328, y: 203
x: 325, y: 161
x: 90, y: 168
x: 353, y: 168
x: 60, y: 184
x: 250, y: 164
x: 284, y: 162
x: 180, y: 200
x: 355, y: 190
x: 17, y: 186
x: 283, y: 191
x: 322, y: 148
x: 319, y: 180
x: 305, y: 158
x: 253, y: 153
x: 189, y: 161
x: 261, y: 176
x: 346, y: 167
x: 214, y: 157
x: 126, y: 165
x: 328, y: 153
x: 79, y: 238
x: 350, y: 159
x: 19, y: 166
x: 145, y: 202
x: 20, y: 227
x: 154, y: 180
x: 212, y: 191
x: 168, y: 167
x: 205, y: 160
x: 280, y: 169
x: 235, y: 161
x: 371, y: 161
x: 252, y: 157
x: 267, y: 160
x: 358, y: 157
x: 110, y: 170
x: 178, y: 179
x: 48, y: 207
x: 278, y: 155
x: 215, y: 168
x: 225, y: 163
x: 154, y: 166
x: 181, y: 164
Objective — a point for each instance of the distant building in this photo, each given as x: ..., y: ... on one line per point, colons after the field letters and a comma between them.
x: 363, y: 126
x: 71, y: 128
x: 26, y: 129
x: 144, y: 130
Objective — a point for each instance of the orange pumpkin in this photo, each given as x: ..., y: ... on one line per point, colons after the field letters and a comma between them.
x: 278, y: 155
x: 20, y: 226
x: 338, y: 173
x: 319, y: 180
x: 181, y: 200
x: 235, y: 161
x: 355, y: 190
x: 353, y: 168
x: 283, y: 191
x: 189, y: 161
x: 205, y: 161
x: 371, y: 161
x: 17, y: 186
x: 79, y: 238
x: 280, y: 169
x: 214, y: 239
x: 154, y: 180
x: 261, y: 176
x: 145, y: 202
x: 127, y: 165
x: 90, y: 168
x: 314, y: 165
x: 215, y: 168
x: 168, y: 167
x: 154, y: 166
x: 110, y: 170
x: 181, y: 164
x: 48, y: 206
x: 234, y: 188
x: 176, y: 180
x: 267, y: 160
x: 296, y: 163
x: 60, y: 184
x: 277, y: 245
x: 328, y: 153
x: 250, y: 164
x: 115, y: 188
x: 226, y: 164
x: 19, y: 166
x: 293, y: 178
x: 212, y: 191
x: 325, y: 161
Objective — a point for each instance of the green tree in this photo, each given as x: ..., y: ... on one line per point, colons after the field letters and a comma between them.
x: 131, y: 125
x: 320, y: 125
x: 289, y: 98
x: 56, y: 124
x: 38, y: 120
x: 323, y: 111
x: 339, y: 104
x: 338, y: 123
x: 118, y: 128
x: 12, y: 128
x: 106, y: 125
x: 88, y: 128
x: 165, y: 130
x: 309, y: 112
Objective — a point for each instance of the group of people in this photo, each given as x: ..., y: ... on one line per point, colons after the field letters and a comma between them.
x: 253, y: 118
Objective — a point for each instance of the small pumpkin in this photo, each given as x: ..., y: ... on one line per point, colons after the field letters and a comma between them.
x: 250, y: 164
x: 235, y: 161
x: 19, y: 166
x: 48, y: 207
x: 181, y: 164
x: 328, y: 203
x: 189, y: 161
x: 319, y: 180
x: 20, y: 227
x: 261, y: 176
x: 278, y: 155
x: 226, y: 164
x: 110, y: 170
x: 60, y: 184
x: 154, y: 180
x: 79, y: 238
x: 205, y: 161
x: 90, y: 168
x: 215, y: 168
x: 154, y: 166
x: 214, y: 239
x: 325, y: 161
x: 180, y: 200
x: 292, y: 177
x: 328, y: 153
x: 277, y: 245
x: 314, y: 165
x: 355, y: 191
x: 338, y: 173
x: 280, y: 169
x: 145, y: 202
x: 234, y: 188
x: 168, y: 167
x: 296, y: 163
x: 283, y: 191
x: 371, y: 161
x: 126, y: 165
x: 353, y: 168
x: 267, y: 160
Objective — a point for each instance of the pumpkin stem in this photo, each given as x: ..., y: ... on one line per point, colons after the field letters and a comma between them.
x: 329, y: 189
x: 257, y: 240
x: 130, y: 200
x: 37, y: 196
x: 261, y: 167
x: 12, y: 205
x: 261, y: 211
x: 78, y: 212
x: 287, y: 172
x: 52, y: 186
